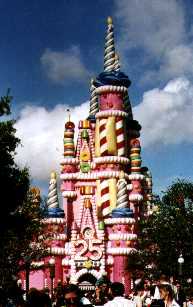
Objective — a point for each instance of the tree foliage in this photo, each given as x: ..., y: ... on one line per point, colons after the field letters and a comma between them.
x: 167, y: 233
x: 20, y: 218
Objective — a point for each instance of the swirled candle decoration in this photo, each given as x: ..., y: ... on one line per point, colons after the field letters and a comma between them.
x: 93, y: 100
x: 122, y: 194
x: 109, y: 57
x: 53, y: 205
x: 52, y: 201
x: 122, y: 209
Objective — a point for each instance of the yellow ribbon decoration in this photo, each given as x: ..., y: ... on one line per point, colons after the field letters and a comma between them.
x: 111, y: 136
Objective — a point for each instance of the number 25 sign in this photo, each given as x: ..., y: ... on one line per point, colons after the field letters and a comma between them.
x: 91, y: 246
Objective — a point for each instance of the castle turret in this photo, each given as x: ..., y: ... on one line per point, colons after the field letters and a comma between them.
x: 55, y: 230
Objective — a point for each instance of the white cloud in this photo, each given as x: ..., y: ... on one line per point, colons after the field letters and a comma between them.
x: 178, y: 60
x: 159, y: 30
x: 62, y: 66
x: 166, y: 115
x: 41, y: 133
x: 155, y: 26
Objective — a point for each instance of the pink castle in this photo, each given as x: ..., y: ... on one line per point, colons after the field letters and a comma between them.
x: 105, y: 190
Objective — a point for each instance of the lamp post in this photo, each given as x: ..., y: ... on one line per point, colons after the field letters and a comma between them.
x: 181, y: 262
x: 52, y: 274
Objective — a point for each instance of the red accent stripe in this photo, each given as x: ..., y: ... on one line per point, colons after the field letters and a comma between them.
x: 105, y: 191
x: 121, y: 144
x: 106, y: 204
x: 119, y: 131
x: 103, y: 141
x: 102, y: 127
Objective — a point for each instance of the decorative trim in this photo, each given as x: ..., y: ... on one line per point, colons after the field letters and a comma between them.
x: 69, y: 161
x: 69, y: 194
x: 54, y: 220
x: 110, y: 88
x: 135, y: 197
x: 136, y: 177
x: 60, y: 236
x: 119, y: 220
x: 111, y: 159
x: 93, y: 175
x: 108, y: 113
x: 57, y: 250
x: 121, y: 250
x: 122, y: 236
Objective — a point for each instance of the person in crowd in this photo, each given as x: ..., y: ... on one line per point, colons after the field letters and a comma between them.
x: 59, y: 296
x: 180, y: 296
x: 146, y: 297
x: 167, y: 295
x: 38, y: 298
x: 189, y: 302
x: 117, y: 290
x: 102, y: 294
x: 73, y: 297
x: 138, y: 294
x: 163, y: 280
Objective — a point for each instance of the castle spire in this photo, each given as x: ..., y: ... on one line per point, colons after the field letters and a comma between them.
x: 109, y: 56
x: 52, y: 201
x: 93, y: 99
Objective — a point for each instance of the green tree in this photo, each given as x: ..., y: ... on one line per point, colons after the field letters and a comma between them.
x: 20, y: 218
x: 167, y: 233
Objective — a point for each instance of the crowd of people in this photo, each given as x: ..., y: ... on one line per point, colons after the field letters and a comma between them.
x: 145, y: 293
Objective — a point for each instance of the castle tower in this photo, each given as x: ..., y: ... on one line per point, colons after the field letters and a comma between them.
x: 112, y: 152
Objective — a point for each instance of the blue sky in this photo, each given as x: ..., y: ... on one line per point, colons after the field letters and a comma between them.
x: 49, y: 50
